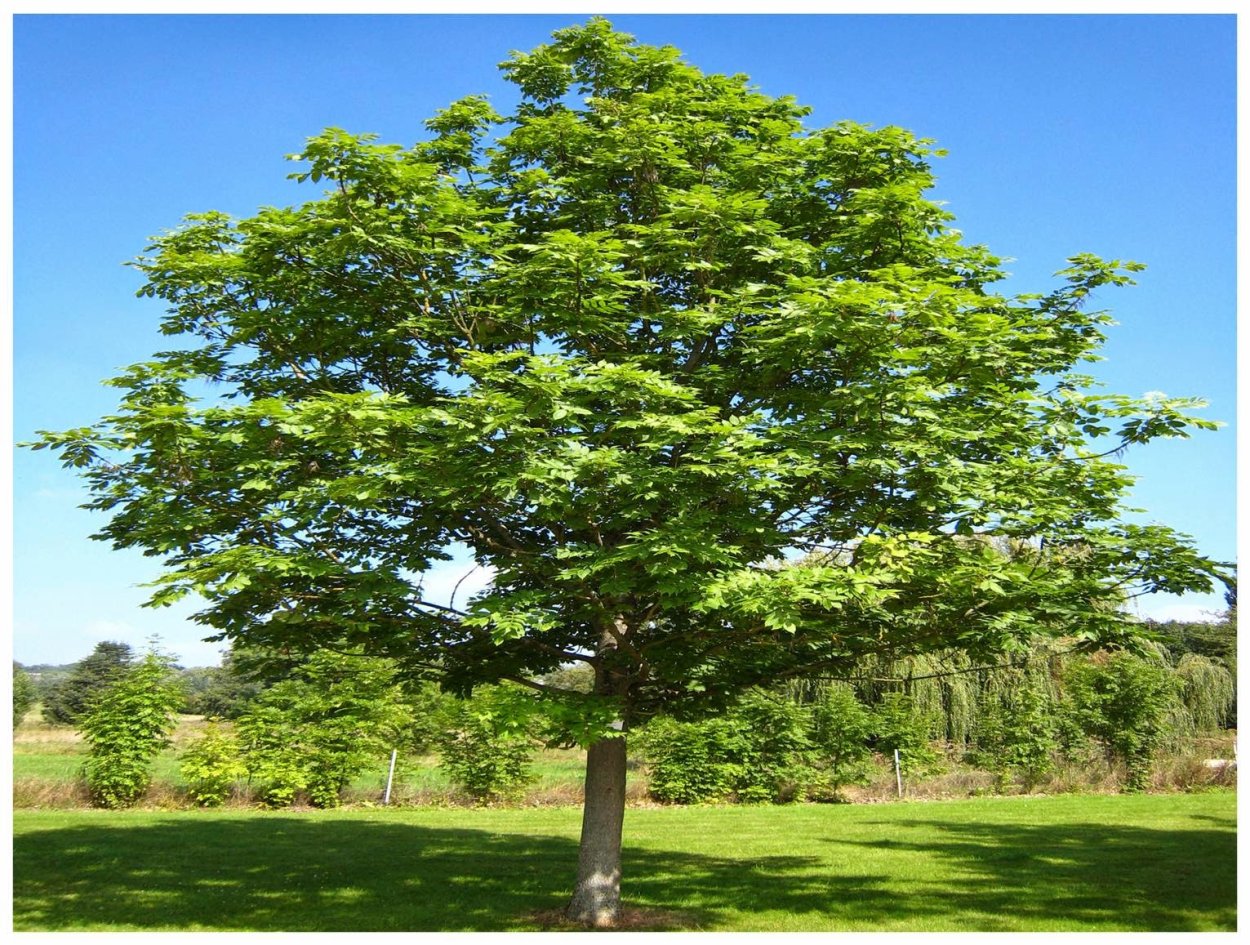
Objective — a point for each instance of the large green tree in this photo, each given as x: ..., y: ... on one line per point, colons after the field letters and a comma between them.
x: 634, y: 345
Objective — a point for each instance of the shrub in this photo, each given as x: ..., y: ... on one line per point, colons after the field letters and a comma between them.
x: 211, y: 764
x: 322, y: 727
x: 272, y: 755
x: 487, y: 746
x: 840, y: 729
x: 896, y: 725
x: 128, y: 725
x: 23, y: 694
x: 1016, y: 734
x: 755, y: 752
x: 1125, y: 703
x: 771, y: 751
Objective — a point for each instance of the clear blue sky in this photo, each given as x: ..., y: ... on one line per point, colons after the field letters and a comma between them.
x: 1105, y: 134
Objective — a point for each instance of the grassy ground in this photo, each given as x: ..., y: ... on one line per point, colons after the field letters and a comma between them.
x: 1078, y: 863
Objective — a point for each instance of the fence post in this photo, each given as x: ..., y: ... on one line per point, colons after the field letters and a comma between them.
x: 390, y: 776
x: 898, y: 774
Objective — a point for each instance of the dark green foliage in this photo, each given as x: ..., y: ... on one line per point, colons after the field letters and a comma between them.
x: 320, y: 728
x: 69, y: 700
x: 771, y: 754
x: 840, y: 729
x: 125, y: 727
x: 23, y: 694
x: 221, y: 692
x: 427, y: 711
x: 896, y: 724
x: 1124, y: 702
x: 487, y: 745
x: 689, y: 762
x: 1016, y: 734
x: 756, y: 752
x: 211, y: 765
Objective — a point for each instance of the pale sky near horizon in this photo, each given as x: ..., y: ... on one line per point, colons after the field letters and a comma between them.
x: 1105, y: 134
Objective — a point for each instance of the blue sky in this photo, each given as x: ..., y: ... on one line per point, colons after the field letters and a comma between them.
x: 1105, y: 134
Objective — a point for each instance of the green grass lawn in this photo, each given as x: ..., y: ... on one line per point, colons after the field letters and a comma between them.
x: 1073, y: 863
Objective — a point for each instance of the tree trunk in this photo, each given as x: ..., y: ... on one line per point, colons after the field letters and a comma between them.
x: 597, y: 896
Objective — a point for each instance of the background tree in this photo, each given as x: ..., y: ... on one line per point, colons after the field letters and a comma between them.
x: 1125, y: 702
x: 68, y: 701
x: 125, y: 727
x: 23, y: 694
x: 632, y: 345
x: 223, y: 691
x: 320, y: 728
x: 487, y: 744
x: 841, y: 728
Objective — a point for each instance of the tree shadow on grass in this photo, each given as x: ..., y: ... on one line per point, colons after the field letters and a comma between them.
x: 303, y: 874
x: 1072, y: 875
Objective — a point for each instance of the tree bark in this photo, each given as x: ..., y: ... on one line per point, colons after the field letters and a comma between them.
x: 597, y: 896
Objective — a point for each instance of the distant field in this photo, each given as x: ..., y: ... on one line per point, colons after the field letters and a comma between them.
x: 1072, y: 863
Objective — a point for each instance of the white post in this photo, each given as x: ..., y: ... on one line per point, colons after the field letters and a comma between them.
x: 390, y: 776
x: 898, y: 774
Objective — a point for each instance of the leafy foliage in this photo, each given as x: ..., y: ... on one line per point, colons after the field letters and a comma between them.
x: 487, y: 746
x: 898, y: 726
x: 629, y: 351
x: 319, y: 729
x: 69, y: 700
x: 23, y: 694
x: 841, y: 727
x: 125, y: 728
x: 1123, y: 701
x: 1017, y: 734
x: 212, y: 764
x: 756, y: 752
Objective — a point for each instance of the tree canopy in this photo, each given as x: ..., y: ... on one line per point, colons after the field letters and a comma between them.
x: 635, y: 345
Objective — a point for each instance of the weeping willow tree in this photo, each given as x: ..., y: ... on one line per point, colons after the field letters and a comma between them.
x: 1208, y: 692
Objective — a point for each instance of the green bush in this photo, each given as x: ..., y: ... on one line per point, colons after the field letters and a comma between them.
x: 127, y: 726
x: 23, y: 694
x: 272, y: 755
x: 211, y: 765
x: 897, y: 725
x: 487, y: 746
x: 755, y: 752
x: 1125, y: 703
x: 771, y: 755
x: 691, y: 762
x: 319, y: 729
x: 840, y: 729
x: 1016, y: 735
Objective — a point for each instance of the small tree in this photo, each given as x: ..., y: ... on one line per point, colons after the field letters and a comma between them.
x: 487, y: 746
x: 68, y: 701
x: 322, y: 727
x: 126, y: 727
x: 1016, y: 733
x: 23, y: 694
x: 212, y: 764
x: 690, y: 762
x: 841, y: 727
x: 1125, y: 702
x: 896, y: 725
